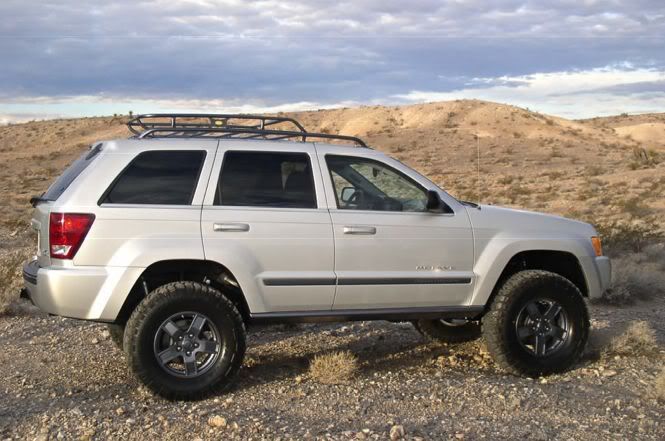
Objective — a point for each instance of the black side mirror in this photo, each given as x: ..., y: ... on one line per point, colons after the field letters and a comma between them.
x: 435, y: 204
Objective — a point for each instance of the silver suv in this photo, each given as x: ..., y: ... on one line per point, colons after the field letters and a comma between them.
x: 200, y: 225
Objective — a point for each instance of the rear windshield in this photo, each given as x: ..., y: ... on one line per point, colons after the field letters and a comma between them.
x: 62, y: 183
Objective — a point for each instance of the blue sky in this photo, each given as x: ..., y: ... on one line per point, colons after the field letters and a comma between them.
x: 573, y: 58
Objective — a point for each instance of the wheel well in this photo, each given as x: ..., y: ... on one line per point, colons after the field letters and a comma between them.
x: 560, y: 262
x: 167, y: 271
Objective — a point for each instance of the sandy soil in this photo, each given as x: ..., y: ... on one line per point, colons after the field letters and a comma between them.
x: 65, y: 379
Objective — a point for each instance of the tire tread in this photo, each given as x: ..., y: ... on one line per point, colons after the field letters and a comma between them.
x: 173, y: 291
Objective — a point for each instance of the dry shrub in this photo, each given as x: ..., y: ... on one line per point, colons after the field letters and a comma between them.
x: 659, y: 386
x: 11, y: 281
x: 638, y: 276
x: 638, y: 339
x: 622, y: 236
x: 335, y: 368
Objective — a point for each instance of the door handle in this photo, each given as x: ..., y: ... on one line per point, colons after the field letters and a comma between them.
x: 230, y: 227
x: 358, y: 229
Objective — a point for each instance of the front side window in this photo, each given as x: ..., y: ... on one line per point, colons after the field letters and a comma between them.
x: 366, y: 184
x: 165, y: 177
x: 266, y: 179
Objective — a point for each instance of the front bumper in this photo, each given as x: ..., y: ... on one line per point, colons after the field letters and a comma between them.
x: 598, y: 274
x: 90, y: 293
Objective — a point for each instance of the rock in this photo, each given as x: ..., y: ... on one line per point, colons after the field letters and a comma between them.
x: 87, y: 435
x: 396, y: 432
x: 609, y: 373
x: 94, y: 341
x: 217, y: 421
x: 120, y: 411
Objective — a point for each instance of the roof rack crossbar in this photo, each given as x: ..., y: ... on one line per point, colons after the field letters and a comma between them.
x: 236, y: 132
x: 193, y: 125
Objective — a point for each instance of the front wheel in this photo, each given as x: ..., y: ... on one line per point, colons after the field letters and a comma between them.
x: 538, y: 324
x: 185, y: 340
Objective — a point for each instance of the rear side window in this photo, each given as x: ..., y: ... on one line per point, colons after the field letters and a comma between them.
x: 266, y: 179
x: 67, y: 177
x: 166, y: 177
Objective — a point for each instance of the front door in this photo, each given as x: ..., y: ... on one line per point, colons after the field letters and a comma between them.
x: 390, y: 252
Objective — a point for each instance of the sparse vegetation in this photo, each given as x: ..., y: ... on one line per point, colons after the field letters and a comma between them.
x: 639, y: 339
x: 621, y: 236
x: 11, y: 265
x: 658, y: 391
x: 335, y: 368
x: 637, y: 276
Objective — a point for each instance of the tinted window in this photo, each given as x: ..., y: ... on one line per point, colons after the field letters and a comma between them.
x: 365, y: 184
x: 158, y: 177
x: 266, y: 180
x: 67, y: 177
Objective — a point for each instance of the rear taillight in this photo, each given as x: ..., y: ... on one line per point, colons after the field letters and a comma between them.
x: 66, y: 233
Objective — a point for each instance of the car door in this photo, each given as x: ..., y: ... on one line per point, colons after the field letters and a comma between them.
x: 390, y: 251
x: 266, y: 220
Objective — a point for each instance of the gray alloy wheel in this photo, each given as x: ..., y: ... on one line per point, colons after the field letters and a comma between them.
x: 187, y: 344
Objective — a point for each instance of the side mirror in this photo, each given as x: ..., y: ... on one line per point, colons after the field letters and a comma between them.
x: 434, y: 203
x: 347, y: 193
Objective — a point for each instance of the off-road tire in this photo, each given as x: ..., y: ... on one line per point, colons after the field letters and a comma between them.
x: 437, y: 330
x: 162, y: 303
x: 500, y: 330
x: 117, y: 335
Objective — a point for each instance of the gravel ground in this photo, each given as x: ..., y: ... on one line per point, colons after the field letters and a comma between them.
x: 64, y: 379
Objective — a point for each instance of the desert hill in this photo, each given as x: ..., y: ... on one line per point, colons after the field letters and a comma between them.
x: 647, y: 129
x: 602, y: 169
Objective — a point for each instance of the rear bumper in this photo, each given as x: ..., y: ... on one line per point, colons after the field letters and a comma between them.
x: 90, y: 293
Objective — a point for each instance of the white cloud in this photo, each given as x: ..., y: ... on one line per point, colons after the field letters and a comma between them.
x: 76, y: 59
x: 577, y: 94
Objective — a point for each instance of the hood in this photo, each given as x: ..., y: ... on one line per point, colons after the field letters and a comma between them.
x: 492, y: 219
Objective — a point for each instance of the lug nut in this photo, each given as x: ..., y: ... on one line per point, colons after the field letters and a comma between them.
x: 178, y: 348
x: 191, y: 335
x: 189, y: 353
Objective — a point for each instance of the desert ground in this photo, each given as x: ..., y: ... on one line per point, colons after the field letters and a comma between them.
x: 65, y: 379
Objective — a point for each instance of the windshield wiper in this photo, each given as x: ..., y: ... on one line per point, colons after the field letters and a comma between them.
x: 470, y: 204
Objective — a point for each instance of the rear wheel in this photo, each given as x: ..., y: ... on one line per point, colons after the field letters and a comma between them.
x: 185, y: 340
x: 538, y: 324
x: 448, y: 330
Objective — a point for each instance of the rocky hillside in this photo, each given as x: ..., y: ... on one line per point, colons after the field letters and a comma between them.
x: 602, y: 169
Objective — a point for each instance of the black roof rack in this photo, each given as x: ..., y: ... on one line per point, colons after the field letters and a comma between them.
x: 194, y: 125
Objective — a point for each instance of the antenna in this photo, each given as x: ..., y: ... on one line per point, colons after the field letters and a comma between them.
x: 478, y: 163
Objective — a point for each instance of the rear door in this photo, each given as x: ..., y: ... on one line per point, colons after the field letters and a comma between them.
x: 265, y: 218
x: 390, y: 252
